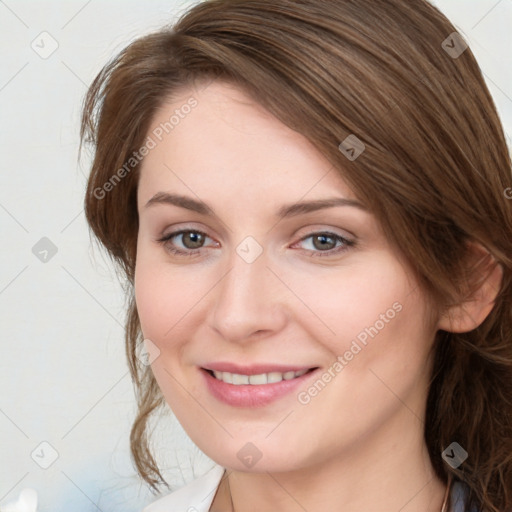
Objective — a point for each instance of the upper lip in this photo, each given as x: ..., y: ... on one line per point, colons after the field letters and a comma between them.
x: 254, y: 369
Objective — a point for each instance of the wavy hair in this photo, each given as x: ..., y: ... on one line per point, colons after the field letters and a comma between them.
x: 435, y: 171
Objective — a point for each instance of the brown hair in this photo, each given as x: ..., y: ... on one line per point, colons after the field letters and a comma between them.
x: 434, y: 171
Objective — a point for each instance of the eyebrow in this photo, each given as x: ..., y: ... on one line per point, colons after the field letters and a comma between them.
x: 290, y: 210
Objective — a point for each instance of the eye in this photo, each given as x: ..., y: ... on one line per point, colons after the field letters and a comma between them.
x: 321, y: 244
x: 326, y: 243
x: 191, y: 240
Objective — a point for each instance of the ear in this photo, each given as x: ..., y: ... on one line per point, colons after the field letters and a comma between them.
x: 484, y: 277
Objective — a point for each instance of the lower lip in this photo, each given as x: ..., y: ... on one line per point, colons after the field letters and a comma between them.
x: 248, y: 395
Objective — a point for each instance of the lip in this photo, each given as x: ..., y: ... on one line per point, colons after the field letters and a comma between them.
x: 254, y: 369
x: 248, y: 395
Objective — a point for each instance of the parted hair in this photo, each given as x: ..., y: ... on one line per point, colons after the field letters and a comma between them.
x: 435, y: 171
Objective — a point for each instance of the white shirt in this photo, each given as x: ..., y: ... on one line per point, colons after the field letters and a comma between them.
x: 197, y: 496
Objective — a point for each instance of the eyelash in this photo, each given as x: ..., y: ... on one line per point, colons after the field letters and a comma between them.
x: 189, y: 253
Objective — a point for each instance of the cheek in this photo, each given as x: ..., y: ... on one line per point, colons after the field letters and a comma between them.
x: 168, y: 299
x: 151, y: 299
x: 165, y: 304
x: 344, y: 302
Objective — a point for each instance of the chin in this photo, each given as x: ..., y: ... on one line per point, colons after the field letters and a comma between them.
x: 257, y: 457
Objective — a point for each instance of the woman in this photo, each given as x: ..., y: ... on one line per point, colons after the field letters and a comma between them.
x: 309, y: 201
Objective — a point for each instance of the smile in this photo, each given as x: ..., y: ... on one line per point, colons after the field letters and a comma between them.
x: 253, y: 386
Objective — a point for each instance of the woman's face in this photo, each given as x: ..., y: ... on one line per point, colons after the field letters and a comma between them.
x: 269, y: 282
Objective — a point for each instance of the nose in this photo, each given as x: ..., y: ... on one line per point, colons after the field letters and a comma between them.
x: 249, y: 301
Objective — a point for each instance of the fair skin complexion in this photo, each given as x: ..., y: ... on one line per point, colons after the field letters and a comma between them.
x: 358, y: 444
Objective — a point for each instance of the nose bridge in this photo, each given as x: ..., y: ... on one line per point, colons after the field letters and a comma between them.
x: 246, y: 300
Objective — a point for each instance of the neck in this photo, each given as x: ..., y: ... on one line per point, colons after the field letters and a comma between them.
x: 386, y: 472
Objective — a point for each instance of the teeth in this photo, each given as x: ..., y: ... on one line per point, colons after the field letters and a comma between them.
x: 256, y: 380
x: 238, y: 379
x: 274, y: 377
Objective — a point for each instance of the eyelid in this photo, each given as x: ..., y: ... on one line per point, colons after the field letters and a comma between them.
x: 332, y: 234
x: 175, y: 231
x: 320, y: 228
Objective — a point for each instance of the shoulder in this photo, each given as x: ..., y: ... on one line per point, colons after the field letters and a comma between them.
x: 196, y: 496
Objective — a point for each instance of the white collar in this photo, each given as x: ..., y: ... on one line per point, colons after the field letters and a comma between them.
x: 196, y: 496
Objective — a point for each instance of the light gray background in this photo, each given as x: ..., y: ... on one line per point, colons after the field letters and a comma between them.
x: 63, y: 376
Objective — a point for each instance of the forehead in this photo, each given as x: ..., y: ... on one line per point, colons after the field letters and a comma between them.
x: 217, y: 141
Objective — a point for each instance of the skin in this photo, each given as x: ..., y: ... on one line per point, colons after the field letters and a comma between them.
x: 357, y: 445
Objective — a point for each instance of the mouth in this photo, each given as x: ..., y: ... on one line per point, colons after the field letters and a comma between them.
x: 252, y: 386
